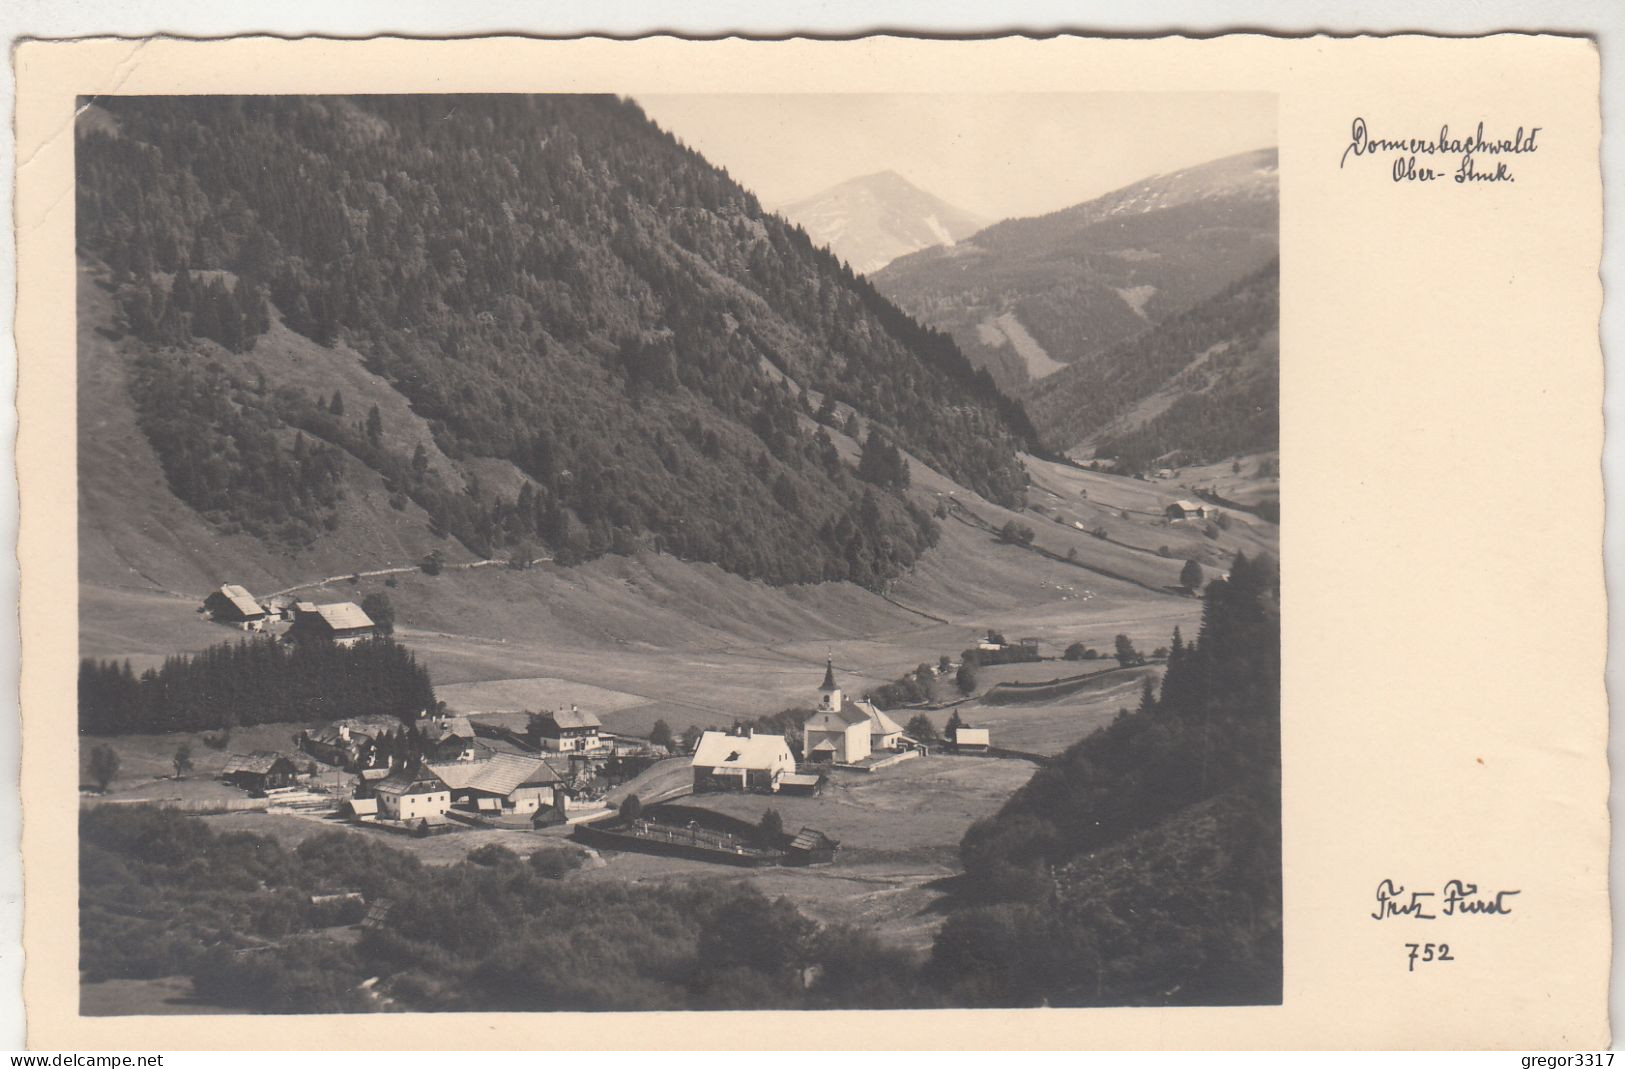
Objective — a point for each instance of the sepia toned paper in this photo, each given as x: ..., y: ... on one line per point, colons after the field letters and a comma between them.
x: 1443, y: 712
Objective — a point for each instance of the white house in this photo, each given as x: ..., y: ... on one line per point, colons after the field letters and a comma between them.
x: 412, y: 794
x: 741, y: 762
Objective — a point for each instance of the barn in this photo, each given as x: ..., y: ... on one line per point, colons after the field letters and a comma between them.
x: 972, y: 740
x: 1187, y: 510
x: 810, y: 847
x: 341, y: 622
x: 232, y: 604
x: 259, y: 771
x: 504, y: 785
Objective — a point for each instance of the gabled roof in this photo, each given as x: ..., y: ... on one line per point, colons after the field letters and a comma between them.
x: 452, y: 727
x: 364, y: 807
x: 1188, y: 506
x: 571, y: 718
x: 241, y: 600
x: 409, y: 781
x: 259, y: 762
x: 812, y: 839
x: 718, y: 749
x: 835, y: 720
x: 971, y: 737
x: 503, y: 774
x: 361, y: 727
x: 343, y: 616
x: 879, y: 722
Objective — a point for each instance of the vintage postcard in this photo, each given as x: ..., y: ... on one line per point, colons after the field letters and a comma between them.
x: 549, y: 541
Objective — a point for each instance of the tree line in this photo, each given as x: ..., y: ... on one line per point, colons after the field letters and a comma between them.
x: 256, y: 681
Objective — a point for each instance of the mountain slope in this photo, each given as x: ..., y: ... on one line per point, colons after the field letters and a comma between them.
x: 1203, y: 384
x: 1027, y: 295
x: 872, y: 220
x: 546, y: 322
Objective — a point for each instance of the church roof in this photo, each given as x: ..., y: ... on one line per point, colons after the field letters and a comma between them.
x: 829, y: 675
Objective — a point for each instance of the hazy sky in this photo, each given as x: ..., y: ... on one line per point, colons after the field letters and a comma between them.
x: 997, y: 155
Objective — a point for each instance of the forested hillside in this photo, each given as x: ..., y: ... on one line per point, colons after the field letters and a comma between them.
x: 1144, y: 866
x: 549, y: 282
x: 1204, y: 384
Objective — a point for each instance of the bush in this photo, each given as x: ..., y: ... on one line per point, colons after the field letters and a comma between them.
x: 1076, y: 652
x: 556, y: 862
x: 1016, y: 533
x: 493, y: 855
x: 966, y: 679
x: 631, y: 808
x: 104, y: 766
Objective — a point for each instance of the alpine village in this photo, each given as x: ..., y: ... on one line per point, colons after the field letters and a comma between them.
x: 520, y: 571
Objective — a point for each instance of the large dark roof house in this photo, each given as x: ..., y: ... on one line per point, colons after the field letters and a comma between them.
x: 342, y: 622
x: 503, y: 785
x: 259, y: 771
x: 232, y: 604
x: 567, y: 730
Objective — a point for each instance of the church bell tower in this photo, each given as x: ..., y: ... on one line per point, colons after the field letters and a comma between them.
x: 829, y: 695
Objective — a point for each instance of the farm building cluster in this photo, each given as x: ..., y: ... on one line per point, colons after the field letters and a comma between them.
x: 840, y: 733
x: 342, y: 622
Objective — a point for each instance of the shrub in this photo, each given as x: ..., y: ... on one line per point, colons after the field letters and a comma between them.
x: 493, y: 855
x: 556, y: 862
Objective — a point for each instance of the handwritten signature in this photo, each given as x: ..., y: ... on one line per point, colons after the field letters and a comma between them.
x: 1455, y: 898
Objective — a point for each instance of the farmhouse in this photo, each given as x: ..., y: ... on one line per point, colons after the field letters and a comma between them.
x: 504, y: 785
x: 412, y: 794
x: 259, y: 771
x: 741, y: 762
x: 450, y: 738
x: 341, y: 622
x: 567, y: 731
x: 350, y: 744
x: 232, y: 604
x: 1188, y: 510
x: 971, y: 740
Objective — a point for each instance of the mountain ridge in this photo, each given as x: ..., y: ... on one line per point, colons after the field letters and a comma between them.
x: 873, y: 219
x: 1084, y: 278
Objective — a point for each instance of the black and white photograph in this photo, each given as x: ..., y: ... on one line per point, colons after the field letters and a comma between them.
x: 632, y: 552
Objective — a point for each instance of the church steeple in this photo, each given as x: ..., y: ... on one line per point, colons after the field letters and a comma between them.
x: 829, y: 695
